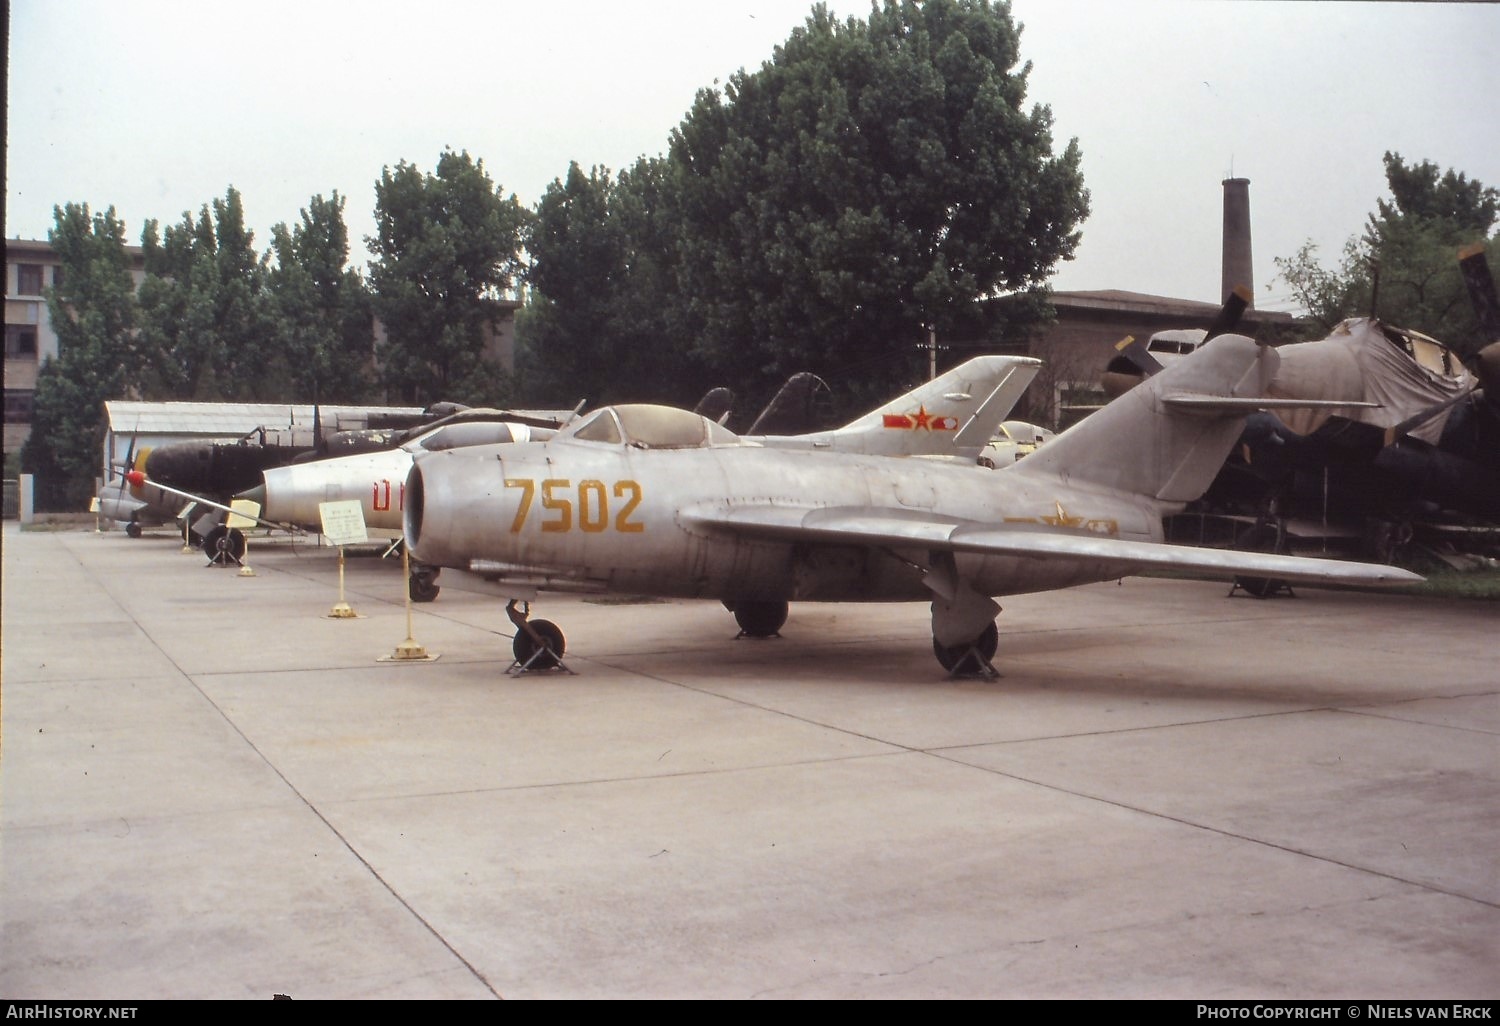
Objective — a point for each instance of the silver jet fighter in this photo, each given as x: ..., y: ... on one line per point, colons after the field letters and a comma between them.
x: 954, y: 414
x: 951, y: 416
x: 653, y: 500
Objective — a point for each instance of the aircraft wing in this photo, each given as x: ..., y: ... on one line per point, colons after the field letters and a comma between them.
x: 888, y: 528
x: 135, y: 477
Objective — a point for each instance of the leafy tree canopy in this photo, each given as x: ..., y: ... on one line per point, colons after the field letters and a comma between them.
x: 320, y: 307
x: 203, y: 323
x: 93, y: 311
x: 1404, y: 266
x: 447, y: 251
x: 868, y: 183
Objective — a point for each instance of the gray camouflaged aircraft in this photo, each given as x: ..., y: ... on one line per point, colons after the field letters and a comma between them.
x: 651, y: 500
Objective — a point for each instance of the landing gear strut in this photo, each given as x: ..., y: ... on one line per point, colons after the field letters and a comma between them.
x: 759, y: 619
x: 538, y: 645
x: 973, y: 659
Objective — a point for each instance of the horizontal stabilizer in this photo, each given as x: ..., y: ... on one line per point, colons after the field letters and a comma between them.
x: 1231, y: 404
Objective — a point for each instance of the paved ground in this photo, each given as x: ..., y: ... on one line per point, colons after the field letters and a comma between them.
x: 211, y: 789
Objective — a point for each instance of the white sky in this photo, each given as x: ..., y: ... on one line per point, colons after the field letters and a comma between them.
x: 156, y: 107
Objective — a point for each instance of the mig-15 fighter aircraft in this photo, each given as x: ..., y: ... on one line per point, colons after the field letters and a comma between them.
x: 952, y: 416
x: 650, y: 500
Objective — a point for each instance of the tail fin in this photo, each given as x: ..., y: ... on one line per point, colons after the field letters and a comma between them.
x: 1167, y: 438
x: 954, y: 414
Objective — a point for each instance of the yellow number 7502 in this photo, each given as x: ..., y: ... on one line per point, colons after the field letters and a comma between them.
x: 591, y: 502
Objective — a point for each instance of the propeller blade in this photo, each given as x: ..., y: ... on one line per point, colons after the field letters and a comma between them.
x: 1134, y: 350
x: 791, y: 410
x: 1481, y: 285
x: 716, y: 404
x: 129, y: 463
x: 1235, y: 305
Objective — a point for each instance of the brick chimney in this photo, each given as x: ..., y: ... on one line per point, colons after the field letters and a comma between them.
x: 1237, y: 265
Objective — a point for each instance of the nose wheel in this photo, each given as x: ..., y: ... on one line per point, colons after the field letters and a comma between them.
x: 538, y: 645
x: 224, y: 546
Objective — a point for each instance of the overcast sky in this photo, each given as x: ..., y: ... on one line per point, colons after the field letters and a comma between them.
x: 157, y: 107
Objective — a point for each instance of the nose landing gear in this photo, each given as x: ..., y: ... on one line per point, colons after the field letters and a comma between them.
x: 538, y: 645
x: 224, y: 545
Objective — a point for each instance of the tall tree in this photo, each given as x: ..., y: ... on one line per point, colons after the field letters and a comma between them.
x: 870, y: 182
x: 204, y: 321
x: 595, y: 326
x: 865, y: 186
x: 321, y: 308
x: 1404, y: 267
x: 93, y: 311
x: 447, y: 250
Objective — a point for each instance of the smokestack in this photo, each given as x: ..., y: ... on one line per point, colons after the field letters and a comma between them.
x: 1237, y: 266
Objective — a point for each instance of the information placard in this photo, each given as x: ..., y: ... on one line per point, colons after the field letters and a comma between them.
x: 343, y: 522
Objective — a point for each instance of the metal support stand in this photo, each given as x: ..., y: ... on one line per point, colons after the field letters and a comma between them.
x: 973, y: 657
x: 1262, y: 589
x: 342, y: 610
x: 408, y: 651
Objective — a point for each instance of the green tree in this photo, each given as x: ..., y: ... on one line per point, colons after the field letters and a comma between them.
x: 595, y: 324
x: 1404, y: 266
x: 204, y: 321
x: 320, y: 307
x: 866, y: 185
x: 870, y: 182
x: 93, y: 310
x: 447, y: 250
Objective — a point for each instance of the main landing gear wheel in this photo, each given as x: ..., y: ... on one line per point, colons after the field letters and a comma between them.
x: 759, y: 619
x: 132, y: 530
x: 1261, y: 538
x: 422, y: 587
x: 224, y: 545
x: 972, y: 659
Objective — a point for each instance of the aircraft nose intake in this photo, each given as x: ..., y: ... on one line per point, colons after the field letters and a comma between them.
x: 411, y: 517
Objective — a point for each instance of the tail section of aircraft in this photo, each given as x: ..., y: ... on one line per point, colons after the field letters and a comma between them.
x: 954, y: 414
x: 1167, y: 438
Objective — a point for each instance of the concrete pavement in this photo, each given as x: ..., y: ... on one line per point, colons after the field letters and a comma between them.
x: 211, y: 789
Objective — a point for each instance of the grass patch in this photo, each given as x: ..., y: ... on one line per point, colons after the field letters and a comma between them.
x: 1445, y: 582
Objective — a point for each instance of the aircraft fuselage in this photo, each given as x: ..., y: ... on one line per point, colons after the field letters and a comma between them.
x: 591, y: 516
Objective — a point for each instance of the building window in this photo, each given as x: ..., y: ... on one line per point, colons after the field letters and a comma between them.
x: 20, y: 342
x: 29, y: 279
x: 18, y: 405
x: 57, y: 277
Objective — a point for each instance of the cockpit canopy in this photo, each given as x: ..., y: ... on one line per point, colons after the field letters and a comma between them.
x: 646, y: 426
x: 462, y: 434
